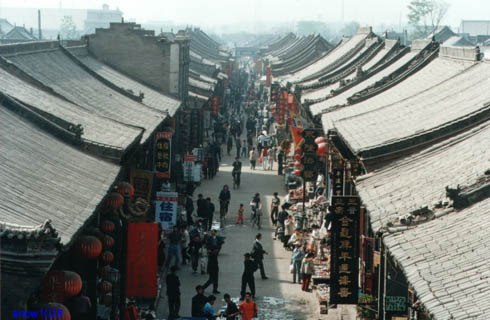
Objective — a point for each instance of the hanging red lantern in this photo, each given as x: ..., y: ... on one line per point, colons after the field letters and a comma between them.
x: 114, y: 200
x: 125, y: 187
x: 107, y: 257
x: 297, y: 156
x: 54, y: 310
x: 322, y: 148
x: 104, y: 272
x: 73, y: 283
x: 104, y: 286
x: 88, y: 247
x: 320, y: 140
x: 297, y: 172
x: 107, y: 226
x: 107, y: 242
x: 298, y: 164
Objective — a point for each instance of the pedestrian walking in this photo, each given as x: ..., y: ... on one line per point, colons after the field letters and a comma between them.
x: 265, y: 161
x: 258, y: 255
x: 201, y: 208
x: 248, y: 275
x: 248, y: 308
x: 280, y: 161
x: 184, y: 243
x: 296, y: 260
x: 213, y: 270
x: 198, y: 302
x: 289, y: 227
x: 189, y: 209
x: 253, y: 158
x: 210, y: 213
x: 229, y: 144
x: 224, y: 200
x: 240, y: 214
x: 307, y: 269
x: 173, y: 293
x: 194, y: 250
x: 275, y: 208
x: 244, y: 148
x: 238, y: 144
x: 175, y: 237
x: 271, y: 158
x: 231, y: 311
x: 208, y: 310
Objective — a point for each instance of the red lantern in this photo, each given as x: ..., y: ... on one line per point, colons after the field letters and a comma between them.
x: 297, y: 172
x: 298, y: 164
x: 73, y: 283
x: 322, y: 148
x: 320, y: 140
x: 104, y: 286
x: 54, y: 310
x: 104, y: 272
x: 125, y: 187
x: 108, y: 242
x: 107, y: 257
x: 88, y: 247
x: 115, y: 200
x: 107, y: 226
x: 297, y: 156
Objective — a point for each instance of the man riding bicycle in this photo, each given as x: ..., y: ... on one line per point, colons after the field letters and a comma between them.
x: 237, y: 171
x: 224, y: 200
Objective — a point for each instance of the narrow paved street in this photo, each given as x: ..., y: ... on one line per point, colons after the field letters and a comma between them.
x: 277, y: 297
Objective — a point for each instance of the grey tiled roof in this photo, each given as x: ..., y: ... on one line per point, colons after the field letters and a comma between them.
x: 420, y: 180
x: 334, y: 55
x: 434, y: 73
x: 43, y: 178
x: 341, y: 99
x: 437, y: 107
x: 56, y: 70
x: 152, y: 98
x: 95, y: 127
x: 201, y: 84
x: 446, y: 261
x: 197, y: 96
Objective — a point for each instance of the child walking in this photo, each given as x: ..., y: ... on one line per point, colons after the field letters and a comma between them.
x: 240, y: 214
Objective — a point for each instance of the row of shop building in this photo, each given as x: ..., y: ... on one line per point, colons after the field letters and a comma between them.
x: 408, y: 162
x: 78, y: 121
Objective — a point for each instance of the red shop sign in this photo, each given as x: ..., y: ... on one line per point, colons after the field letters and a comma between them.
x: 142, y: 260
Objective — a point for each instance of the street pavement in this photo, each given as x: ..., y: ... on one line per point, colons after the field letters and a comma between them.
x: 277, y: 297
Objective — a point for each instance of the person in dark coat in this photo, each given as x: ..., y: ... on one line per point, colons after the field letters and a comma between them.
x: 280, y: 161
x: 224, y: 199
x: 238, y: 144
x: 258, y: 254
x: 209, y: 213
x: 229, y: 144
x: 202, y: 209
x: 248, y: 275
x: 213, y: 270
x: 173, y: 293
x: 198, y: 302
x: 189, y: 209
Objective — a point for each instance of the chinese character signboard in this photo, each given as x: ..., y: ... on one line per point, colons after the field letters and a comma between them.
x: 195, y: 127
x: 142, y: 260
x: 142, y: 182
x: 309, y: 159
x: 215, y: 105
x: 163, y: 149
x: 166, y: 209
x: 344, y: 263
x: 338, y: 181
x: 53, y: 287
x: 189, y: 167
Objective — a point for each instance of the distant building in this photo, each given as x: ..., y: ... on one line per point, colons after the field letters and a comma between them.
x: 18, y: 34
x: 101, y: 18
x: 5, y: 27
x: 475, y: 27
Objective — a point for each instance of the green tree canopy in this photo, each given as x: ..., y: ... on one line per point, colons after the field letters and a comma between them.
x: 425, y: 16
x: 68, y: 30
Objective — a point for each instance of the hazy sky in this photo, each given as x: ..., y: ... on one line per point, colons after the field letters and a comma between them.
x: 214, y: 12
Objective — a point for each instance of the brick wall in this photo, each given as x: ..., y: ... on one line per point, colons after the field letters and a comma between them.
x: 139, y: 54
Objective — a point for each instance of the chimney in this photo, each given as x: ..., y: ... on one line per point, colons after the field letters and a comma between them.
x: 39, y: 24
x: 32, y: 32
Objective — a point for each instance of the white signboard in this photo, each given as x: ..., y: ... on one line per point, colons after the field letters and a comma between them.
x: 166, y: 209
x: 197, y: 173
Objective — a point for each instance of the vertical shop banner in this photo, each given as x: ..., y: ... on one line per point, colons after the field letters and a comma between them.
x: 310, y: 158
x: 195, y: 127
x: 142, y: 181
x: 268, y: 77
x: 163, y: 152
x: 338, y: 181
x: 189, y: 161
x: 53, y: 287
x: 344, y: 261
x: 215, y: 105
x: 142, y: 260
x: 166, y: 209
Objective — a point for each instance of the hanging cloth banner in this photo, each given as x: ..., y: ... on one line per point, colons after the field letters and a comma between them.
x: 163, y: 152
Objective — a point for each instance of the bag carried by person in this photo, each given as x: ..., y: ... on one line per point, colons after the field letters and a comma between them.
x: 291, y: 268
x: 260, y: 159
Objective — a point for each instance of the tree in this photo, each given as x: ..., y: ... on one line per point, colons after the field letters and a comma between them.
x: 425, y: 16
x: 68, y: 30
